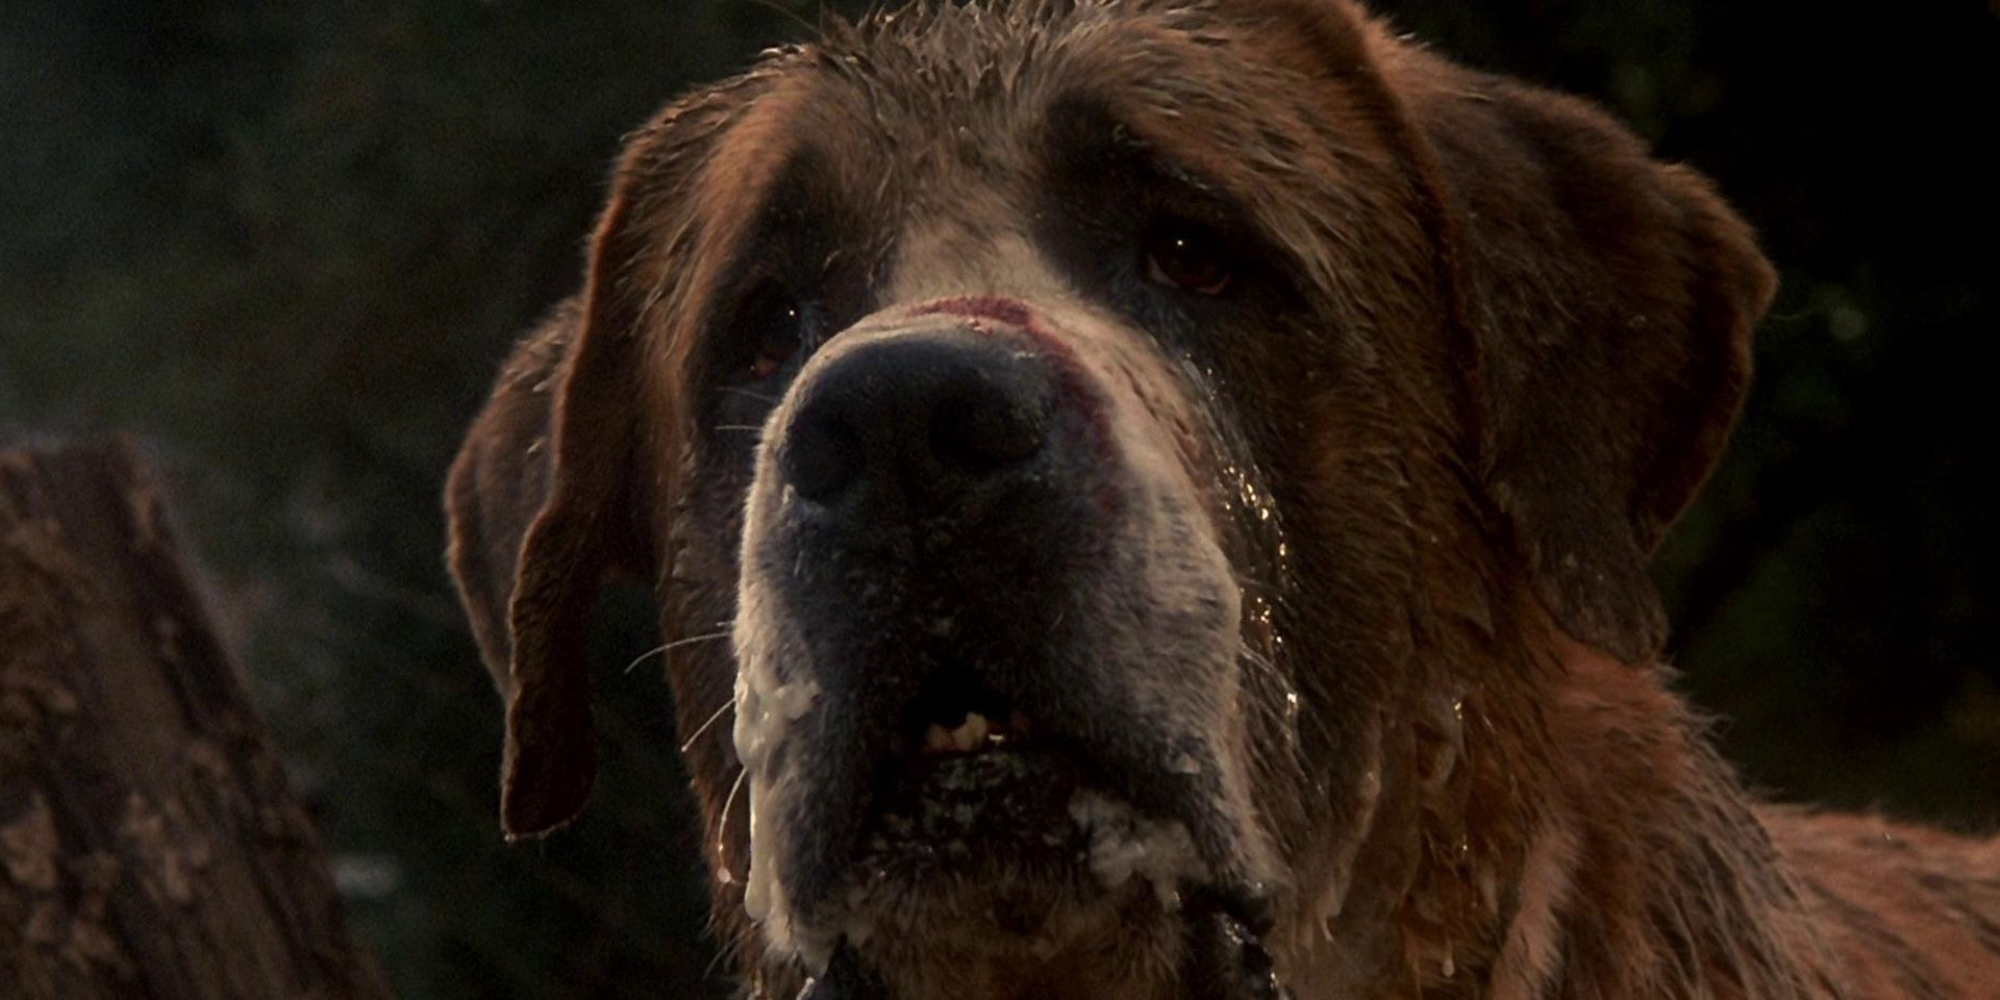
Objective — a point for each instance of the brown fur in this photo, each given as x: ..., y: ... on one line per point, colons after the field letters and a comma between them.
x: 1516, y: 346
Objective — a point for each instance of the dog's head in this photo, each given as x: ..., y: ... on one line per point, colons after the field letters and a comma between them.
x: 1096, y: 450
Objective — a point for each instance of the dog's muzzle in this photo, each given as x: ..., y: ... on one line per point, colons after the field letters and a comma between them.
x: 985, y: 629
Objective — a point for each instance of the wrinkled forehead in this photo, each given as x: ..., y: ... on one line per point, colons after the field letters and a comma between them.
x: 940, y: 144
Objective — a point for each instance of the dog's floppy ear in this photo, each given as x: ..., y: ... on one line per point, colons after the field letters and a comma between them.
x: 534, y: 501
x: 1607, y: 300
x: 1611, y: 298
x: 499, y: 482
x: 553, y: 489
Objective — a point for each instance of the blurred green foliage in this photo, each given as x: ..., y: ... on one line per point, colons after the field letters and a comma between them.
x: 289, y: 242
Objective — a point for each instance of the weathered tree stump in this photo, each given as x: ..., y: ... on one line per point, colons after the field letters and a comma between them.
x: 149, y: 846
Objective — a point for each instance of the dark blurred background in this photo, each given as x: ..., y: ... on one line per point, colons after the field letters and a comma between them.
x: 287, y: 243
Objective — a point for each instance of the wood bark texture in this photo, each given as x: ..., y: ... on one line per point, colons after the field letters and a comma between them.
x: 149, y: 845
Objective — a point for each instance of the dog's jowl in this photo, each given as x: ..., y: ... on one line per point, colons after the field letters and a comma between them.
x: 1176, y: 477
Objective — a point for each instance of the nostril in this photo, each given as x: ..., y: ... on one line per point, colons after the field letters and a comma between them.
x: 925, y: 423
x: 823, y: 457
x: 987, y: 428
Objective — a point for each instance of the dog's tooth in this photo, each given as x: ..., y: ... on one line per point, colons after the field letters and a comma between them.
x: 938, y: 739
x: 971, y: 733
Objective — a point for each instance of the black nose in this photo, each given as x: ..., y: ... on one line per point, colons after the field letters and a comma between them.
x: 922, y: 422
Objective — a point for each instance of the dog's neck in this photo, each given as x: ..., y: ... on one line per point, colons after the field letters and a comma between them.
x: 1632, y: 865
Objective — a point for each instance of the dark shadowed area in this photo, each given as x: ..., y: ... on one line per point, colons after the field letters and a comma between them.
x: 288, y: 243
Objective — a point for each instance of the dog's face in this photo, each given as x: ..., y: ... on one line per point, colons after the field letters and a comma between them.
x: 1091, y: 455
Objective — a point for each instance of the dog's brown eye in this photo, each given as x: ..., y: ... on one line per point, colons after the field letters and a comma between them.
x: 778, y: 324
x: 1190, y: 258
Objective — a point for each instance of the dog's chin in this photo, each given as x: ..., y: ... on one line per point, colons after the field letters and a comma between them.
x: 1003, y: 859
x: 944, y: 818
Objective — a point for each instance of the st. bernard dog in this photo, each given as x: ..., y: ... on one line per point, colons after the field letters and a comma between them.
x: 1149, y: 499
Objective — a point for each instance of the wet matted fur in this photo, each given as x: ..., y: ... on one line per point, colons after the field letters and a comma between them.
x: 1159, y: 492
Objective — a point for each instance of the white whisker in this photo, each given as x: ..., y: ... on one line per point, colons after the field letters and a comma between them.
x: 704, y: 727
x: 676, y: 644
x: 758, y: 396
x: 722, y: 821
